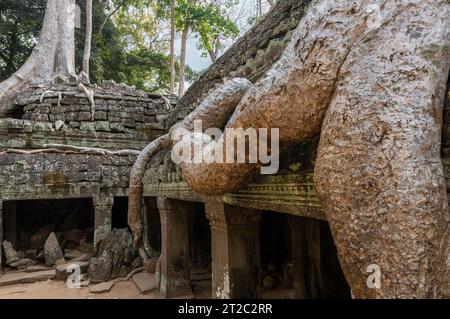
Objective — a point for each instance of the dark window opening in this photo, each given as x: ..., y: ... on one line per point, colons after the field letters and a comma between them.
x: 119, y: 217
x: 299, y: 259
x: 28, y: 224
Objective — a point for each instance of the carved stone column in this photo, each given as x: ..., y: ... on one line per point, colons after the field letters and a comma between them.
x: 235, y: 250
x: 102, y: 219
x: 174, y: 272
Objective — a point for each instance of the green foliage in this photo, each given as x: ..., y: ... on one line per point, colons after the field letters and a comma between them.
x: 208, y: 19
x: 20, y: 23
x: 213, y: 27
x: 129, y: 46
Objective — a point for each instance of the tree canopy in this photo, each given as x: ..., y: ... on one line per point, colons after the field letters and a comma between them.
x: 130, y: 40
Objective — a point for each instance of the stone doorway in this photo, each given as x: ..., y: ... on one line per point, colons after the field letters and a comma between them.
x: 276, y: 256
x: 200, y: 251
x: 316, y: 271
x: 28, y: 224
x: 299, y: 259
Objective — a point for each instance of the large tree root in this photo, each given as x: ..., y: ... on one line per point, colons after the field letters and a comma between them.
x: 379, y: 173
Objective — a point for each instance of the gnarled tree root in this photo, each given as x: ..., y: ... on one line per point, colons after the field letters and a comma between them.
x: 212, y: 112
x: 379, y: 174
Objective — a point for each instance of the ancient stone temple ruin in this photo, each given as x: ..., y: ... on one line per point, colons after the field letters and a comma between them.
x: 268, y: 239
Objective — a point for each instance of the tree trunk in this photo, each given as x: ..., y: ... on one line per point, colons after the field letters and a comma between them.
x: 172, y: 48
x: 65, y: 55
x: 259, y: 8
x: 182, y: 73
x: 88, y: 41
x: 54, y: 53
x: 212, y: 56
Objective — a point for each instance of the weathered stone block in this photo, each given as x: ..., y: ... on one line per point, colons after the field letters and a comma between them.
x: 17, y: 143
x: 130, y: 123
x: 74, y: 124
x: 87, y: 126
x: 52, y: 250
x: 113, y: 117
x: 57, y: 117
x: 84, y: 116
x: 39, y: 117
x: 160, y: 118
x: 71, y: 116
x: 102, y: 126
x: 101, y: 115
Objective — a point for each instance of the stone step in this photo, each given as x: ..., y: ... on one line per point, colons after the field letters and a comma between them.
x: 24, y: 278
x: 101, y: 287
x: 36, y: 268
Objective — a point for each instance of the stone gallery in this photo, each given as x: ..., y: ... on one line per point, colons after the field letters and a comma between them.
x: 357, y: 209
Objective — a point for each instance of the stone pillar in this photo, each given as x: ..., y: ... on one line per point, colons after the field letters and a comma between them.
x: 1, y: 236
x: 174, y: 271
x: 102, y: 219
x: 235, y: 251
x: 11, y: 229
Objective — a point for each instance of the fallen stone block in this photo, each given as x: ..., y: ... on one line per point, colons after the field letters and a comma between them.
x: 102, y: 287
x: 145, y: 282
x: 22, y: 264
x: 52, y: 250
x: 11, y: 254
x: 36, y: 268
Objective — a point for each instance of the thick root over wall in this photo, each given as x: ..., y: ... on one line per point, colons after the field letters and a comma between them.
x: 371, y: 77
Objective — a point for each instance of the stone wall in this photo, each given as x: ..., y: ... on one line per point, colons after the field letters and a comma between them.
x: 54, y: 176
x: 62, y: 115
x: 27, y: 134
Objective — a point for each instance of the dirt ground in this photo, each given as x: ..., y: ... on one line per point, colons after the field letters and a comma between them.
x: 52, y: 289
